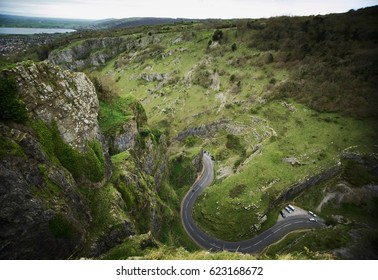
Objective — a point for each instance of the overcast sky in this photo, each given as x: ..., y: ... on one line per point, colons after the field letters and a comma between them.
x: 100, y: 9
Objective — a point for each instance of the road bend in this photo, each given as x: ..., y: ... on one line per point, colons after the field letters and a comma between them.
x: 253, y: 245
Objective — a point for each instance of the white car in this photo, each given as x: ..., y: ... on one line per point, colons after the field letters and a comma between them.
x: 312, y: 213
x: 313, y: 220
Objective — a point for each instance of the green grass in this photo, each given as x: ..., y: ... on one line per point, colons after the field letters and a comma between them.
x: 254, y: 79
x: 315, y: 140
x: 10, y: 147
x: 90, y: 164
x: 310, y: 244
x: 130, y: 248
x: 113, y: 115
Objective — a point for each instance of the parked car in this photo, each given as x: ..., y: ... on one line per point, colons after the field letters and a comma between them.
x: 312, y: 213
x: 291, y: 207
x: 288, y: 209
x: 282, y: 214
x: 313, y: 220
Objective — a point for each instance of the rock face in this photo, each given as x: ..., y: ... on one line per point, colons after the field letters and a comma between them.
x: 210, y: 129
x: 154, y: 160
x: 124, y: 139
x: 299, y: 187
x: 49, y: 163
x: 96, y: 52
x: 41, y: 214
x: 91, y: 52
x: 67, y: 98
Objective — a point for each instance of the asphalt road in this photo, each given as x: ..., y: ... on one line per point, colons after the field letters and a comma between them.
x: 252, y: 245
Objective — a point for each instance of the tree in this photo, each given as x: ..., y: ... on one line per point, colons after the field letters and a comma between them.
x: 11, y: 107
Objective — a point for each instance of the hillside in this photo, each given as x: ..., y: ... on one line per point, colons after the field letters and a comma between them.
x: 287, y: 106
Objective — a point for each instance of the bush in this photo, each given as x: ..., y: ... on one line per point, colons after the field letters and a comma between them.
x: 218, y: 35
x: 11, y: 108
x: 190, y: 141
x: 237, y: 191
x: 233, y: 143
x: 182, y: 172
x: 105, y: 88
x: 234, y: 47
x: 60, y: 227
x: 94, y: 162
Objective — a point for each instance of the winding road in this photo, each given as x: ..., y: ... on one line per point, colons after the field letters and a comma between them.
x: 253, y: 245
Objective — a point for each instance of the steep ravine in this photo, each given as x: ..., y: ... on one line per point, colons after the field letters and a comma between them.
x: 56, y: 175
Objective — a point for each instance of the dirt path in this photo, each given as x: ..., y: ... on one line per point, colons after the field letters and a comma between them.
x: 328, y: 197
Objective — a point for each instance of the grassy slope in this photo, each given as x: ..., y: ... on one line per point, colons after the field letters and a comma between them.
x: 188, y: 98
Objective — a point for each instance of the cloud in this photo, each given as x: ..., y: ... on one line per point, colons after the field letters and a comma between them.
x: 97, y: 9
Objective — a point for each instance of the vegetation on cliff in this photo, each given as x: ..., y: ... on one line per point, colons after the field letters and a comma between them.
x: 275, y: 101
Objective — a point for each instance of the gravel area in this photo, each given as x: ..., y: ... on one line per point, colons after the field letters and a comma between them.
x: 296, y: 212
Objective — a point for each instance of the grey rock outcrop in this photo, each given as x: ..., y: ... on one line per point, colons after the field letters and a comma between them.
x: 114, y: 237
x: 210, y: 129
x: 67, y: 98
x: 41, y: 214
x: 153, y: 160
x: 154, y: 77
x: 125, y: 138
x: 98, y: 51
x: 90, y: 52
x: 299, y: 187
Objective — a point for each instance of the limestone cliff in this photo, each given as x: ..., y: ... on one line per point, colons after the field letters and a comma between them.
x: 55, y: 171
x: 67, y: 98
x: 96, y: 51
x: 43, y: 158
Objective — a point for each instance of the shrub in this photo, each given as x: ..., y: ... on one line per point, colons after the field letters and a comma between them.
x: 218, y: 35
x: 190, y: 141
x: 237, y: 190
x: 233, y: 143
x: 94, y: 162
x: 11, y: 108
x: 60, y: 227
x: 105, y: 88
x: 182, y: 171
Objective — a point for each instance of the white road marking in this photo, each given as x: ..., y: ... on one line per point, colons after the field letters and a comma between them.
x: 246, y: 248
x: 287, y: 225
x: 277, y: 230
x: 190, y: 226
x: 258, y: 242
x: 215, y: 245
x: 200, y: 237
x: 266, y: 237
x: 297, y: 222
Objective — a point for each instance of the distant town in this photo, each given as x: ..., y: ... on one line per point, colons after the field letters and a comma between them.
x: 15, y: 44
